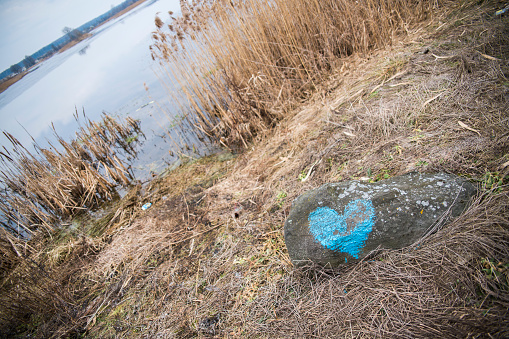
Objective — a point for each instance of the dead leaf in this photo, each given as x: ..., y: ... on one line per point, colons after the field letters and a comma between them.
x: 467, y: 127
x: 430, y: 100
x: 489, y: 57
x: 443, y: 57
x: 377, y: 87
x: 349, y: 134
x: 400, y: 74
x: 401, y: 84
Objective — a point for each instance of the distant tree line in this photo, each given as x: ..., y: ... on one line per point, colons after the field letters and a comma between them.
x: 26, y: 63
x: 73, y: 33
x: 70, y: 34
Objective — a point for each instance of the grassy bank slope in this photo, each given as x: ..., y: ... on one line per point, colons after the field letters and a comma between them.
x: 208, y: 258
x: 243, y: 65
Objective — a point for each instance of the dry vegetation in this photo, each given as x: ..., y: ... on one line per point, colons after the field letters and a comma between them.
x: 6, y: 83
x: 208, y: 258
x: 39, y: 189
x: 243, y: 64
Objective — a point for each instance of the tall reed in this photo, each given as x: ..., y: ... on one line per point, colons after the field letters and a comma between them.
x: 243, y: 64
x: 38, y: 189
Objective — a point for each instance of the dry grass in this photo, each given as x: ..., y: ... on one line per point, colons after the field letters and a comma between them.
x: 440, y: 289
x: 40, y: 191
x: 209, y: 260
x: 59, y: 181
x: 237, y: 280
x: 243, y: 65
x: 58, y: 285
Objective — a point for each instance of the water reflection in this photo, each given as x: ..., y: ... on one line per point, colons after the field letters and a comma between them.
x: 108, y: 76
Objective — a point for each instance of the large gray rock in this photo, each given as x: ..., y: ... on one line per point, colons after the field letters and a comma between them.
x: 340, y: 222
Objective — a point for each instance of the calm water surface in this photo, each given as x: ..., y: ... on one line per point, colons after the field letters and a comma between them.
x: 108, y: 72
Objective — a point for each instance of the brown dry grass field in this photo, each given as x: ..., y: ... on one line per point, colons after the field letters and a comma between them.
x: 7, y: 83
x: 208, y: 259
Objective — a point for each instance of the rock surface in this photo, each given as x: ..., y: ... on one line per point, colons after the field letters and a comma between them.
x: 340, y: 222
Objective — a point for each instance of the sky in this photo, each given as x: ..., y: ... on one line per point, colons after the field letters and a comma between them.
x: 28, y: 25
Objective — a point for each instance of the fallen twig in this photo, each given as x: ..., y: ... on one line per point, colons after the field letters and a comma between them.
x: 469, y: 128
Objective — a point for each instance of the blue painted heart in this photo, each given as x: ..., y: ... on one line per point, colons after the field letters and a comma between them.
x: 345, y: 233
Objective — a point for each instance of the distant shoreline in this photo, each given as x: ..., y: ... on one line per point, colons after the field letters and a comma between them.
x: 12, y: 80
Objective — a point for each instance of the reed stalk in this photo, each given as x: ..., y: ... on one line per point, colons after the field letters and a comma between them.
x: 242, y: 65
x: 54, y: 183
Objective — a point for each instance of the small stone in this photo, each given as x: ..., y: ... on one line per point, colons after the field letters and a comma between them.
x: 209, y: 324
x: 341, y: 222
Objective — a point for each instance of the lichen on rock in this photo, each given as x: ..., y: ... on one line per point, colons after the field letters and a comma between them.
x: 339, y: 222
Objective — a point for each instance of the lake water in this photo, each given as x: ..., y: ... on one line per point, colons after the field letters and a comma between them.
x: 108, y: 72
